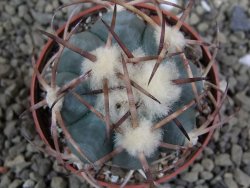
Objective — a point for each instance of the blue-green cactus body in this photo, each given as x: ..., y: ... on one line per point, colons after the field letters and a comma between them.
x: 128, y: 27
x: 72, y: 110
x: 90, y: 133
x: 87, y: 130
x: 71, y: 61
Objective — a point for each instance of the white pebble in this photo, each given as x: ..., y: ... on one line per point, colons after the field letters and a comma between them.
x: 245, y: 60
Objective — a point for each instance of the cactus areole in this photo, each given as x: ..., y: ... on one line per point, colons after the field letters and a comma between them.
x: 123, y: 94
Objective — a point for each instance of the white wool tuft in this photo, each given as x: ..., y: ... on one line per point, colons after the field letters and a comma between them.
x: 193, y: 139
x: 51, y: 97
x: 160, y: 87
x: 134, y: 69
x: 173, y: 37
x: 140, y: 139
x: 107, y: 64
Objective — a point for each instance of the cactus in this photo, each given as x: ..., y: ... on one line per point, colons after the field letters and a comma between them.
x: 124, y: 91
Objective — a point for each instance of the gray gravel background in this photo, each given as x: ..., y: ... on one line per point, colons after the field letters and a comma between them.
x: 224, y: 163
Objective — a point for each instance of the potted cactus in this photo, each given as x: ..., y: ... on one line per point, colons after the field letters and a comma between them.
x: 132, y: 89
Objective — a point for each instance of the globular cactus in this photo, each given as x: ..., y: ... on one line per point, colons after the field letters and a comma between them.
x: 124, y: 92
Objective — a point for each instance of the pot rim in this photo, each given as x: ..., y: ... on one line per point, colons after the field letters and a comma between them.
x: 206, y: 55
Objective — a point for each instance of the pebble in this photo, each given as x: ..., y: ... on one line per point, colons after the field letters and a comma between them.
x: 22, y: 10
x: 206, y: 175
x: 202, y: 27
x: 242, y: 178
x: 19, y: 168
x: 199, y: 10
x: 246, y: 169
x: 16, y: 161
x: 40, y: 184
x: 239, y: 20
x: 230, y: 183
x: 236, y: 154
x: 208, y: 164
x: 197, y: 168
x: 232, y: 83
x: 3, y: 60
x: 15, y: 184
x: 34, y: 176
x: 5, y: 181
x: 74, y: 182
x: 29, y: 184
x: 190, y: 177
x: 10, y: 130
x: 201, y: 186
x: 5, y: 70
x: 228, y: 60
x: 10, y: 9
x: 245, y: 60
x: 194, y: 19
x: 222, y: 38
x: 246, y: 158
x: 44, y: 166
x: 57, y: 182
x: 208, y: 151
x: 9, y: 115
x: 58, y: 168
x: 205, y: 6
x: 16, y: 21
x: 28, y: 130
x: 41, y: 18
x: 223, y: 160
x: 17, y: 108
x: 244, y: 100
x: 17, y: 149
x: 24, y: 174
x: 200, y: 182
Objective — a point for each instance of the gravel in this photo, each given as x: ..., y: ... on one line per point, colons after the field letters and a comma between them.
x: 208, y: 164
x: 224, y: 163
x: 40, y: 184
x: 229, y: 181
x: 223, y: 160
x: 206, y: 175
x: 194, y: 19
x: 43, y: 165
x: 246, y: 158
x: 29, y: 184
x: 236, y: 154
x: 58, y: 182
x: 242, y: 178
x: 190, y: 177
x: 15, y: 184
x: 74, y: 182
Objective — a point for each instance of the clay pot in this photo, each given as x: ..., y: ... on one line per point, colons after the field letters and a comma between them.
x: 41, y: 117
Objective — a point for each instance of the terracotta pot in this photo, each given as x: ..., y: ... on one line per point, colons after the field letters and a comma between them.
x: 41, y: 117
